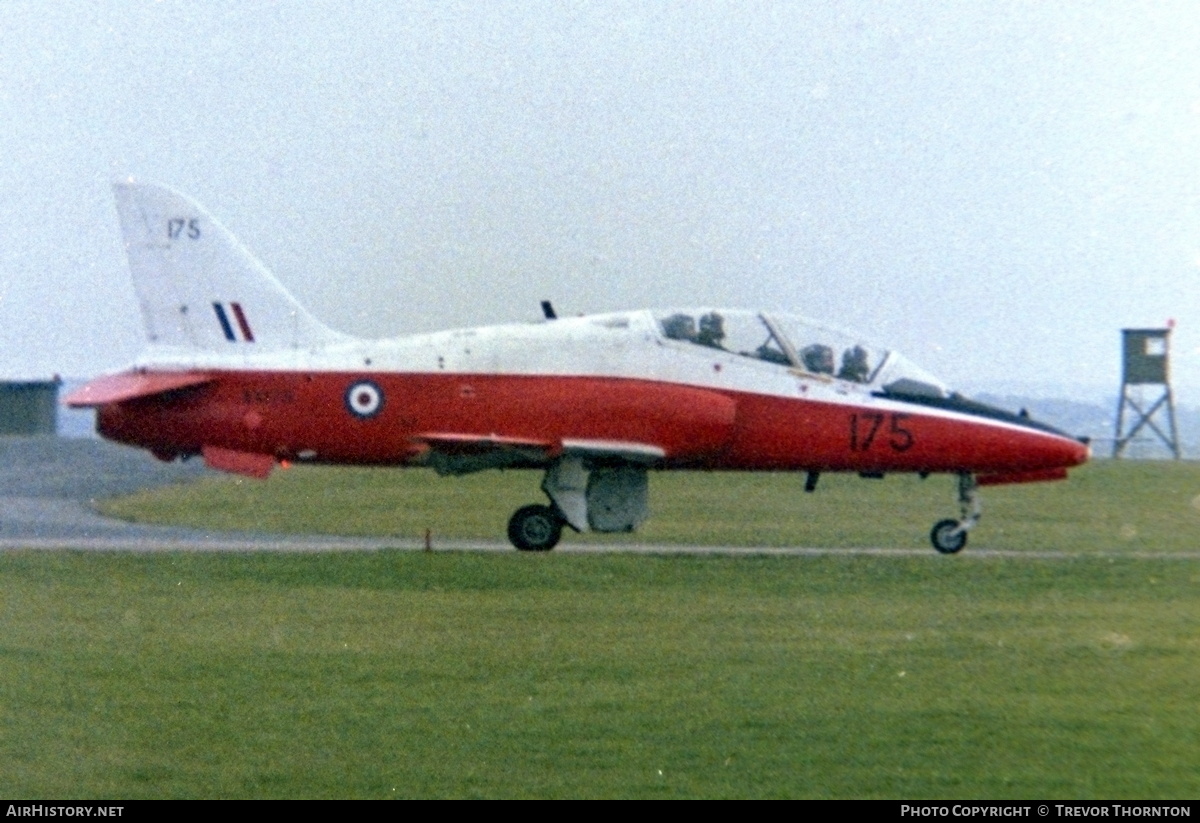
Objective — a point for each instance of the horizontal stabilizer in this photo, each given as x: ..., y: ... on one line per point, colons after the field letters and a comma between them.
x: 250, y: 464
x: 116, y: 388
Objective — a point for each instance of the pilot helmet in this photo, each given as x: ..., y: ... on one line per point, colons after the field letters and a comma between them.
x: 679, y: 327
x: 818, y: 358
x: 712, y: 327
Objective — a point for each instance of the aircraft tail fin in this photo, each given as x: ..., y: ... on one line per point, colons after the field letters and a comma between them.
x: 198, y: 287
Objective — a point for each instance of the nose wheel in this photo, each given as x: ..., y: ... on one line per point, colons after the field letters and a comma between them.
x: 950, y: 536
x: 535, y: 528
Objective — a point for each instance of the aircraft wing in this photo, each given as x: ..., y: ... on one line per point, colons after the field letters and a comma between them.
x: 115, y: 388
x: 454, y: 453
x: 622, y: 450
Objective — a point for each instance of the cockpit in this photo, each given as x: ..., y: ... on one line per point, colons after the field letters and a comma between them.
x: 801, y: 345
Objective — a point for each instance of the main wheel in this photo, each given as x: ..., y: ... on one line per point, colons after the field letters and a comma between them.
x: 535, y: 528
x: 946, y: 538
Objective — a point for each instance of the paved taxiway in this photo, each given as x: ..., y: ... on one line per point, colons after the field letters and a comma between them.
x: 48, y: 486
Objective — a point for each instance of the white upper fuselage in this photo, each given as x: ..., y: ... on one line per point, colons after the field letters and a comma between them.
x: 628, y: 345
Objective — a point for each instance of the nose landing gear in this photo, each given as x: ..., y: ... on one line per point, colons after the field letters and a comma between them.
x: 950, y: 536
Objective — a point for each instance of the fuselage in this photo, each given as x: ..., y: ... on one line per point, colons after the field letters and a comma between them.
x: 617, y: 378
x: 236, y: 370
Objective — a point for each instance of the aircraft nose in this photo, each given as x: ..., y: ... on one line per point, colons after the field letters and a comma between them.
x: 1045, y: 451
x: 1063, y: 449
x: 1067, y: 451
x: 1082, y: 451
x: 1037, y: 457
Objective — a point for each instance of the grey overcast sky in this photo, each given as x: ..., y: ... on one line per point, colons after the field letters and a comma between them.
x: 994, y: 188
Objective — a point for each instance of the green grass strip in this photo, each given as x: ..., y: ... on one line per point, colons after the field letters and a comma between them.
x: 1105, y: 506
x: 410, y: 674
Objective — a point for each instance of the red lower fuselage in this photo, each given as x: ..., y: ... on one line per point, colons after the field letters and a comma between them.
x: 308, y: 416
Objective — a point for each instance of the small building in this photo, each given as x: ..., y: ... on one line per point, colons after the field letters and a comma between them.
x: 29, y: 407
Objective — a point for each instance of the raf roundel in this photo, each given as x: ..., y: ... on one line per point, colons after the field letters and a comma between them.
x: 364, y: 399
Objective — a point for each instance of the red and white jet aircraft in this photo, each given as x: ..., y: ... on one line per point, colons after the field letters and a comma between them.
x: 238, y: 372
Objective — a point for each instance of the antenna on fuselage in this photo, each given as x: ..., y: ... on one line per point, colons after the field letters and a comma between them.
x: 548, y: 310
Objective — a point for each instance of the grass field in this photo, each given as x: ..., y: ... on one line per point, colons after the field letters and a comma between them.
x: 446, y: 674
x: 1105, y: 506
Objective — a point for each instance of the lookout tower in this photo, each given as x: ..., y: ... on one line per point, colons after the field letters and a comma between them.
x: 1146, y: 364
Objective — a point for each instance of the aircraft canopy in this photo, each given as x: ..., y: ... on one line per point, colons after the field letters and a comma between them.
x: 792, y: 341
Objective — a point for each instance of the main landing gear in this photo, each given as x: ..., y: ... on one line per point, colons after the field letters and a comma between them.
x: 535, y: 528
x: 604, y: 497
x: 949, y: 536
